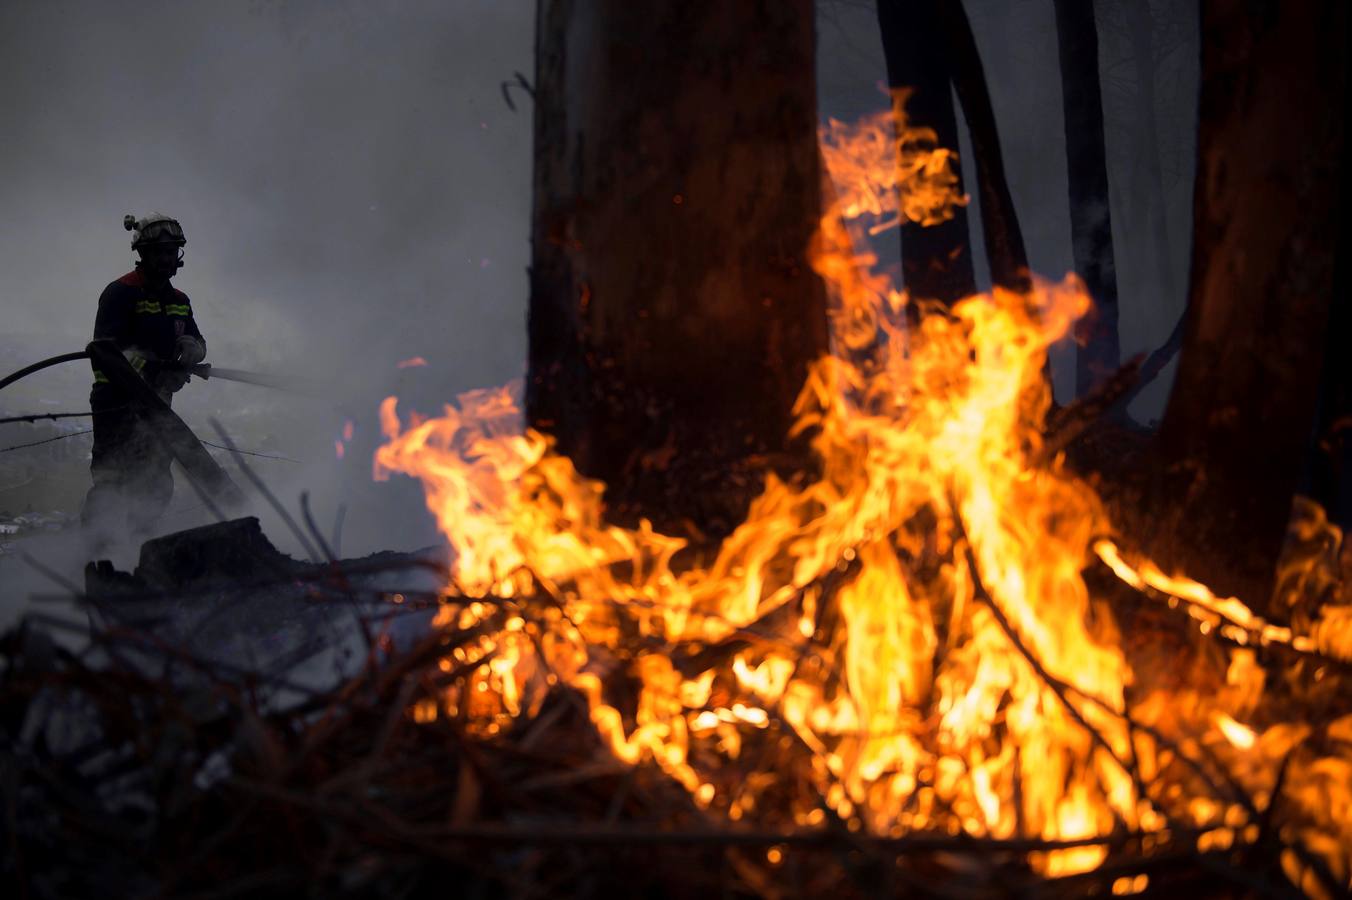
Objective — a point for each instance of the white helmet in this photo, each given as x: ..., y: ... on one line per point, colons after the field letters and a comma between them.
x: 155, y: 228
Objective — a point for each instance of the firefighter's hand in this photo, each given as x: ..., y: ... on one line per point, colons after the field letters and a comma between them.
x: 171, y: 381
x: 138, y: 359
x: 189, y: 350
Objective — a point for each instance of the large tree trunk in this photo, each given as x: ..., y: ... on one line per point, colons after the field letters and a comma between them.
x: 1265, y: 233
x: 936, y: 260
x: 677, y: 185
x: 1087, y: 173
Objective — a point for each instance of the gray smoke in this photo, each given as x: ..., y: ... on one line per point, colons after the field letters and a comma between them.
x: 356, y: 192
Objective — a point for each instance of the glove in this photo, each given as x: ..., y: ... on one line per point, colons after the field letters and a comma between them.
x: 170, y: 381
x: 189, y: 350
x: 138, y: 358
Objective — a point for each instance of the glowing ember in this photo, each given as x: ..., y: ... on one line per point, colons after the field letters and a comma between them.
x: 1242, y: 736
x: 908, y: 638
x: 411, y: 363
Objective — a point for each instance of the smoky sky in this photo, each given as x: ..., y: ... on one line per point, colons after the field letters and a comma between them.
x: 356, y: 192
x: 349, y: 178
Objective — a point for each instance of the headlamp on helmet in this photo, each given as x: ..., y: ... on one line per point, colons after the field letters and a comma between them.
x: 154, y: 229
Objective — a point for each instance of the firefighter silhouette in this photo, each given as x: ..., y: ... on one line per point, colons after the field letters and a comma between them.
x: 152, y: 323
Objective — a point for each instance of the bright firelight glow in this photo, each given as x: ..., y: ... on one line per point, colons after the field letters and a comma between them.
x: 911, y: 633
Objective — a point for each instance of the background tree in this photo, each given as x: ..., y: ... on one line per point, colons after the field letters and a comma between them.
x: 1005, y: 249
x: 677, y: 185
x: 936, y: 260
x: 1156, y: 45
x: 927, y: 40
x: 1087, y: 175
x: 1266, y: 234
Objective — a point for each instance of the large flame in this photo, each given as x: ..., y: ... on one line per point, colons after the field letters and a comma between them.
x: 911, y: 630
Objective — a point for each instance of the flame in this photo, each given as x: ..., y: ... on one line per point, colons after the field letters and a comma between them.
x: 411, y: 363
x: 911, y: 632
x: 1242, y: 736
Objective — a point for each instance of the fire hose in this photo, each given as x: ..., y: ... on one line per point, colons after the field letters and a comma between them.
x: 204, y: 472
x: 203, y: 371
x: 112, y: 358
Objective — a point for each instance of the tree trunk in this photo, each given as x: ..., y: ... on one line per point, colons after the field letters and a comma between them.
x: 677, y: 185
x: 1147, y: 175
x: 1330, y: 478
x: 936, y: 260
x: 999, y: 222
x: 1266, y: 228
x: 1087, y: 173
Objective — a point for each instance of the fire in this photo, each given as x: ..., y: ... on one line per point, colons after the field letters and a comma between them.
x: 910, y: 636
x: 1242, y: 736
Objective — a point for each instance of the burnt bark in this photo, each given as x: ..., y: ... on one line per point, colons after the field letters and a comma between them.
x: 677, y: 185
x: 936, y: 260
x: 1087, y: 174
x: 1266, y: 229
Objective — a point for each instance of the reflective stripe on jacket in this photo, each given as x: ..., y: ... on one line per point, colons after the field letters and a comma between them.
x: 132, y: 316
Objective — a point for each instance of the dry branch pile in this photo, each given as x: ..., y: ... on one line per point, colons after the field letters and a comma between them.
x: 141, y: 765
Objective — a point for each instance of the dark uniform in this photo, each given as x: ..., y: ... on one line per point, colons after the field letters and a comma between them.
x: 130, y: 465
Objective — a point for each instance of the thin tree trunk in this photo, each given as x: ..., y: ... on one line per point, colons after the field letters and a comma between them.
x: 1266, y: 227
x: 1149, y: 179
x: 936, y: 260
x: 999, y: 223
x: 1087, y: 173
x: 677, y: 185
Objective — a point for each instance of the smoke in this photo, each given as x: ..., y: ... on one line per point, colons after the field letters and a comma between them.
x: 355, y: 192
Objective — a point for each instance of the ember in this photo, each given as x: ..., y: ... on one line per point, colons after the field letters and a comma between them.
x: 906, y: 644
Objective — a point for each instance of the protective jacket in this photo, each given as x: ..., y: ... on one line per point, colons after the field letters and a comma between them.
x: 133, y: 316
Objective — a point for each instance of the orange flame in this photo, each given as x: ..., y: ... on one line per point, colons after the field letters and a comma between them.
x: 915, y: 619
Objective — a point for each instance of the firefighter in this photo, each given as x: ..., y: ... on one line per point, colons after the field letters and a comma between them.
x: 152, y: 323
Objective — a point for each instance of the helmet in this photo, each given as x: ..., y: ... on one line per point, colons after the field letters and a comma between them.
x: 155, y: 228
